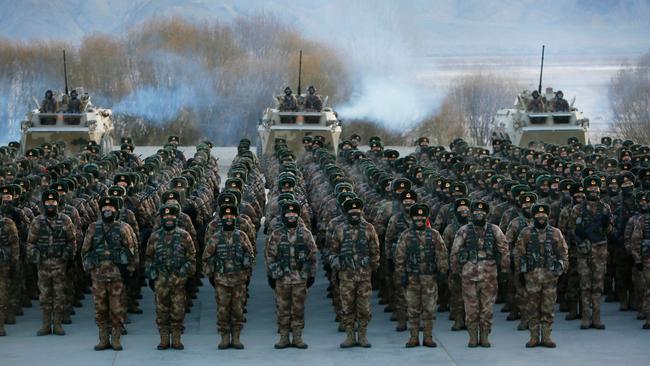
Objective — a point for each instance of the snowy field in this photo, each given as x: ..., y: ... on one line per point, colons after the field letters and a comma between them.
x: 622, y: 343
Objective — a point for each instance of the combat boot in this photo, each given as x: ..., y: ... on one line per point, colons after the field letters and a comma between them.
x: 284, y: 340
x: 428, y: 341
x: 236, y: 343
x: 596, y: 323
x: 103, y: 339
x: 414, y: 341
x: 472, y: 329
x: 10, y: 317
x: 363, y: 337
x: 484, y: 341
x: 349, y: 339
x: 296, y: 340
x: 514, y: 315
x: 164, y: 340
x: 225, y: 341
x: 523, y: 324
x: 401, y: 323
x: 534, y: 336
x: 546, y: 336
x: 646, y: 325
x: 176, y: 340
x: 66, y: 317
x: 573, y: 311
x: 47, y: 324
x: 459, y: 324
x: 57, y: 328
x: 116, y: 333
x: 2, y: 326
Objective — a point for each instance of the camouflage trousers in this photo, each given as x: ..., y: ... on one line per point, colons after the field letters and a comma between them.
x: 52, y: 287
x: 14, y: 291
x: 355, y: 291
x: 646, y: 291
x: 541, y: 295
x: 591, y: 268
x: 479, y: 298
x: 639, y: 290
x: 569, y: 283
x: 109, y: 307
x: 399, y: 304
x: 170, y: 302
x: 336, y: 293
x: 521, y: 299
x: 457, y: 308
x: 290, y: 306
x: 623, y: 264
x: 5, y: 282
x: 230, y: 307
x: 421, y: 299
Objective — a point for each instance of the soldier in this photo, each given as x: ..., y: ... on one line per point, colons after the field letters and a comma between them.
x: 289, y: 102
x: 541, y: 256
x: 290, y: 256
x: 170, y: 259
x: 461, y: 218
x: 535, y: 105
x: 49, y: 104
x: 9, y: 261
x: 590, y: 224
x: 109, y: 254
x: 421, y: 261
x: 313, y: 100
x: 354, y: 256
x: 478, y: 246
x: 640, y: 249
x: 559, y: 104
x: 50, y: 246
x: 227, y: 260
x: 74, y: 104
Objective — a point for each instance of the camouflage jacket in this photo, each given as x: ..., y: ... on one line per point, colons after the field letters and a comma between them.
x: 423, y: 257
x: 290, y: 254
x: 228, y: 257
x: 102, y: 256
x: 535, y: 251
x: 354, y: 249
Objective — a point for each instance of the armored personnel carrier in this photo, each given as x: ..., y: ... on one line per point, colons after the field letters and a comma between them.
x: 91, y: 123
x: 522, y: 126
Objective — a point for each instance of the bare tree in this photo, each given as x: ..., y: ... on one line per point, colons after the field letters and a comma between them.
x: 629, y: 95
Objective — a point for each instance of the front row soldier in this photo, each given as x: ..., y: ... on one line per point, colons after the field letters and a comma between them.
x: 170, y: 259
x: 354, y: 256
x: 227, y: 260
x: 109, y: 255
x: 9, y: 259
x: 478, y: 247
x: 50, y: 246
x: 290, y: 255
x: 640, y: 248
x: 421, y: 261
x: 541, y: 256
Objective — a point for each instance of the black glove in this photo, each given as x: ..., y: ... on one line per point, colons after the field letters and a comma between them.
x: 271, y: 282
x: 211, y: 279
x: 152, y: 285
x: 522, y: 279
x: 405, y: 280
x: 639, y: 266
x: 310, y: 281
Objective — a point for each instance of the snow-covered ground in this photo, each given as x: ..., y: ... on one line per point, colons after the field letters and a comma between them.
x: 622, y: 343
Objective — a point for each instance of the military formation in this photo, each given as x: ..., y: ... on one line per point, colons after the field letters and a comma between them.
x: 445, y: 229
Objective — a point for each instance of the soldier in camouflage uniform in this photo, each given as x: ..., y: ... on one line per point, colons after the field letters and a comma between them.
x: 478, y: 246
x: 50, y: 246
x: 461, y: 218
x: 9, y: 260
x: 290, y: 257
x: 170, y: 259
x: 109, y: 253
x: 421, y: 261
x: 353, y: 256
x: 590, y: 224
x: 541, y: 256
x: 640, y: 251
x: 227, y: 260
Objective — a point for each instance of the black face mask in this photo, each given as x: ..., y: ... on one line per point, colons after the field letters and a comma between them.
x: 169, y: 224
x: 543, y: 192
x: 627, y: 191
x: 290, y: 222
x: 612, y: 192
x: 479, y: 219
x: 646, y: 185
x: 555, y: 195
x: 228, y: 224
x: 527, y: 212
x: 354, y: 218
x: 643, y: 208
x: 593, y: 196
x: 420, y: 224
x: 541, y: 222
x: 51, y: 210
x: 108, y: 216
x: 566, y: 197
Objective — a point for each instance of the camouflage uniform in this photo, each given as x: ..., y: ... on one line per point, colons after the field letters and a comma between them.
x: 9, y: 260
x: 109, y: 251
x: 640, y: 250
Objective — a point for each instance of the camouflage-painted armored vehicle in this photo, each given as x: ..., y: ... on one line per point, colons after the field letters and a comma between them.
x: 91, y: 123
x: 523, y: 126
x: 293, y: 125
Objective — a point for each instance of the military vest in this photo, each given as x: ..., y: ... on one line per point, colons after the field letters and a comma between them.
x: 414, y: 256
x: 400, y: 225
x: 354, y: 253
x: 645, y: 243
x: 300, y: 258
x: 52, y: 242
x: 5, y: 246
x: 470, y: 250
x: 591, y: 224
x: 533, y: 258
x: 229, y: 258
x: 107, y: 244
x: 169, y: 258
